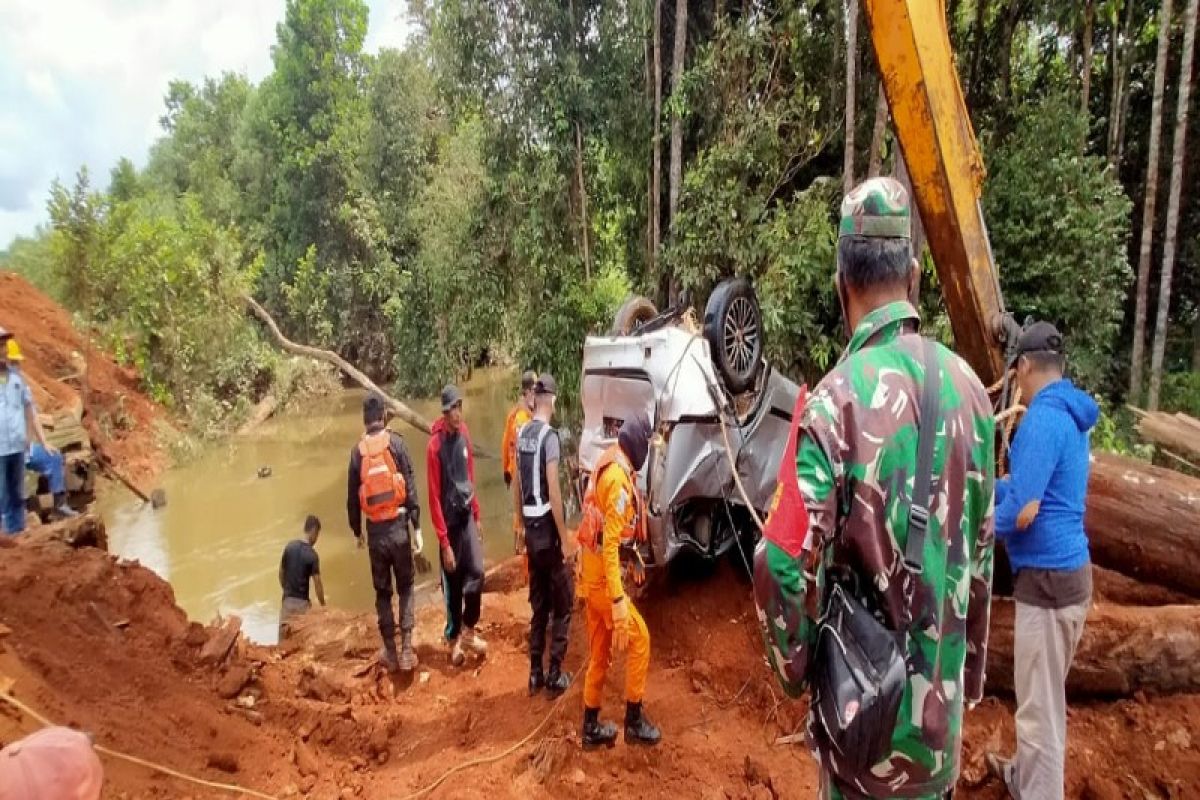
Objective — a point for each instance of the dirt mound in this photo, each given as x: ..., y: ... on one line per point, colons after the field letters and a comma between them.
x: 99, y: 644
x: 119, y: 416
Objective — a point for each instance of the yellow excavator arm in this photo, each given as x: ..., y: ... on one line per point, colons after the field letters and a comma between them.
x: 912, y: 48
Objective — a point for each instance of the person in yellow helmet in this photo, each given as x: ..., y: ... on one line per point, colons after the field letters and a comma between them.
x: 613, y: 512
x: 39, y: 455
x: 518, y: 417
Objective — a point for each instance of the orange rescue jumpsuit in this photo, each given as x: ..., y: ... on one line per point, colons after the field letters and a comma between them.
x: 517, y: 417
x: 600, y: 583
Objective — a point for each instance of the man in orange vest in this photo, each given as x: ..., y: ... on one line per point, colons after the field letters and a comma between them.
x: 613, y: 623
x: 518, y: 417
x: 380, y: 486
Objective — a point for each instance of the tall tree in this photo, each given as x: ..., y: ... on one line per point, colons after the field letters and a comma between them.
x: 655, y: 209
x: 875, y: 156
x: 1172, y: 230
x: 1121, y: 51
x: 1136, y: 366
x: 678, y: 60
x: 1085, y: 92
x: 851, y: 69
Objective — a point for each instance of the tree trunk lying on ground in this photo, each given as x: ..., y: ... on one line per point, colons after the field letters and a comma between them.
x: 1110, y: 586
x: 329, y: 357
x: 1144, y: 521
x: 1124, y: 649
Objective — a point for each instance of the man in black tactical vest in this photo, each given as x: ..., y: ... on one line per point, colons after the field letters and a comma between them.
x: 551, y: 593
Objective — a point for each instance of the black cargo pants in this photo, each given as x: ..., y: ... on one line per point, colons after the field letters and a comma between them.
x: 391, y: 555
x: 463, y: 588
x: 551, y: 595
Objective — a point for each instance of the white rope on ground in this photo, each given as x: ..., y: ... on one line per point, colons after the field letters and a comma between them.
x: 479, y: 762
x: 17, y: 704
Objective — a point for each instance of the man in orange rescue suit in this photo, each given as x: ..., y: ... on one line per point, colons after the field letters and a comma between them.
x: 613, y: 513
x: 518, y: 417
x: 381, y: 487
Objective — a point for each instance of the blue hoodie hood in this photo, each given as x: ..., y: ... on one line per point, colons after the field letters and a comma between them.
x: 1078, y: 404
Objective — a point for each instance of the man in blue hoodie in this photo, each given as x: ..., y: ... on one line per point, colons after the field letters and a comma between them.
x: 1039, y: 517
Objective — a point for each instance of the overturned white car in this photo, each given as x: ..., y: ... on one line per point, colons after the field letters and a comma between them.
x: 685, y: 377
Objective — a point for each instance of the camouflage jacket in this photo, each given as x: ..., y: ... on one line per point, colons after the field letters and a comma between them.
x: 857, y: 449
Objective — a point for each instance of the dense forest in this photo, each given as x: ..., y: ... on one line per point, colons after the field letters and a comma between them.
x: 495, y: 189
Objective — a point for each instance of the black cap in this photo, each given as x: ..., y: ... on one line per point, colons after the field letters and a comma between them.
x: 1040, y: 337
x: 451, y: 397
x: 528, y: 380
x: 546, y: 385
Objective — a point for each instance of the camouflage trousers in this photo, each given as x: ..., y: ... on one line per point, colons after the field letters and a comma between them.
x: 829, y: 791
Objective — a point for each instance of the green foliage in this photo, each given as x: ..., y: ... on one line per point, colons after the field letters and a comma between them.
x: 34, y: 258
x: 559, y: 323
x: 1181, y: 392
x: 1115, y: 432
x: 1059, y: 226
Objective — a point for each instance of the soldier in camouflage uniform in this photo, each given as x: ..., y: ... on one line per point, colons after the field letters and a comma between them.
x: 857, y: 450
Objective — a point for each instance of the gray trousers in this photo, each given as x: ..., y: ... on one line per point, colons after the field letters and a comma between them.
x: 292, y: 606
x: 1045, y: 642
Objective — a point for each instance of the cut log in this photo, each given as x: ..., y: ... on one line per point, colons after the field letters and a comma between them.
x: 1144, y: 521
x: 1124, y: 649
x: 353, y: 373
x: 1110, y: 586
x: 1178, y: 432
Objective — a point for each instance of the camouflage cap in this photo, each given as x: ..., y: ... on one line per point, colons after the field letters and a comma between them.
x: 877, y: 207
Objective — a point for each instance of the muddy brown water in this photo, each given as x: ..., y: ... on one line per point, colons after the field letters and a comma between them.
x: 219, y: 538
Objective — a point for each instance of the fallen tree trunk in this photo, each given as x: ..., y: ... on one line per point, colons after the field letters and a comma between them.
x: 1144, y: 521
x: 262, y: 412
x: 329, y: 357
x: 1124, y: 649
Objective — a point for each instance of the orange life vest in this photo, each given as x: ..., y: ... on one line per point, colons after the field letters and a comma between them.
x: 381, y: 487
x: 590, y: 532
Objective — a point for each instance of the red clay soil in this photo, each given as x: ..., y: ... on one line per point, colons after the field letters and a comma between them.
x: 119, y: 416
x: 100, y: 645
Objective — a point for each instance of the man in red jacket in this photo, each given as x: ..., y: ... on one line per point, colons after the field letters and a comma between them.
x: 454, y: 510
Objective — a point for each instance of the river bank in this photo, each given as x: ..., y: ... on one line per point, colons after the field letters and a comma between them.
x: 219, y: 538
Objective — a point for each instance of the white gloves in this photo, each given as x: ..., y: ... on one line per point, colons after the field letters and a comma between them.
x: 418, y: 541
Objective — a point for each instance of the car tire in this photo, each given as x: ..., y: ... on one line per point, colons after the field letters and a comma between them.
x: 635, y: 311
x: 733, y: 328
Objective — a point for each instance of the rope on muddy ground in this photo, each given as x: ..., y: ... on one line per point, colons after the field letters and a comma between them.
x: 226, y: 787
x: 484, y: 760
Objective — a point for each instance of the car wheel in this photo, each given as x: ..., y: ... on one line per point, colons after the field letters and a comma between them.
x: 733, y: 327
x: 635, y: 311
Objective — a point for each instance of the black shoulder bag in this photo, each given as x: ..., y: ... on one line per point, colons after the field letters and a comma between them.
x: 859, y: 669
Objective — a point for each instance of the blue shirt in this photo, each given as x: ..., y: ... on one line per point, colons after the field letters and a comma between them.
x: 14, y: 397
x: 1050, y: 464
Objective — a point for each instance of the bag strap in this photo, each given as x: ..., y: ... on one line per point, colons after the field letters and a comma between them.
x: 927, y: 423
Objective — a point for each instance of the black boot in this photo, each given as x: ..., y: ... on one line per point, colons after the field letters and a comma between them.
x: 536, y: 681
x: 638, y: 727
x: 597, y: 733
x: 558, y: 682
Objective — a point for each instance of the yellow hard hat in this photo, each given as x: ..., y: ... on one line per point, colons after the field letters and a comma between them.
x: 14, y: 351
